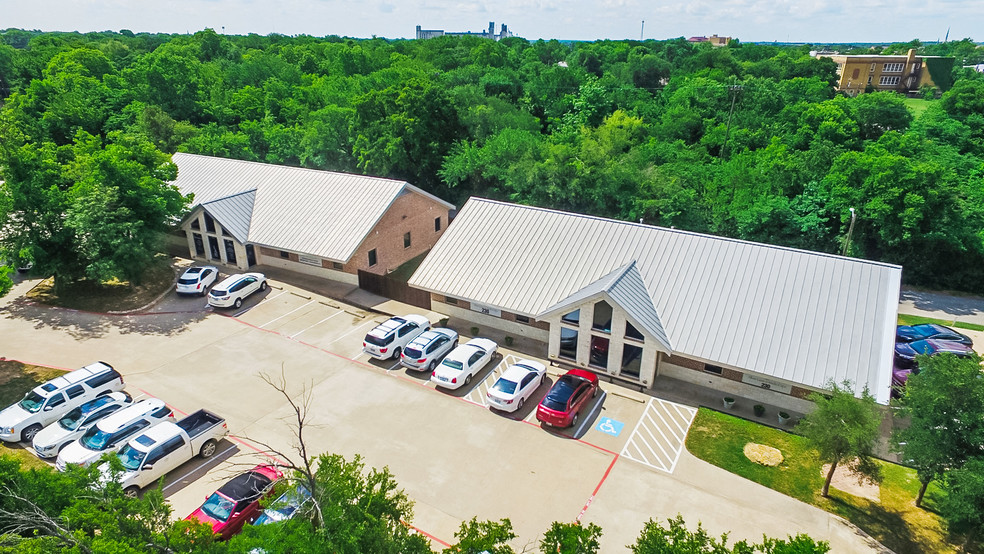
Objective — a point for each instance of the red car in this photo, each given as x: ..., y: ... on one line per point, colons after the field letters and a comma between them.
x: 238, y: 501
x: 567, y: 397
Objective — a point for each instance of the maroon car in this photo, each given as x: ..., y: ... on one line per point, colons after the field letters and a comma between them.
x: 567, y: 397
x: 238, y: 501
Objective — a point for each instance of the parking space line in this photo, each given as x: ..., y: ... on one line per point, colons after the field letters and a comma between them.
x: 282, y: 292
x: 587, y: 419
x: 316, y: 324
x: 662, y: 431
x: 210, y: 460
x: 361, y: 325
x: 287, y: 314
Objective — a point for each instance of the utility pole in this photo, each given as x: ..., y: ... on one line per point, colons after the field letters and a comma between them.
x: 733, y: 90
x: 642, y: 31
x: 850, y: 231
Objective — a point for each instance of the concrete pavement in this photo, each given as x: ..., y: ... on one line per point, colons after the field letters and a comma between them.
x: 966, y: 309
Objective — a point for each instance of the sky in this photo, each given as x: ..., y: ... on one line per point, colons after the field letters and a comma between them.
x: 818, y: 21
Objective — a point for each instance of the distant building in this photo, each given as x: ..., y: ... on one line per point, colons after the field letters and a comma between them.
x: 489, y: 33
x: 903, y: 74
x: 713, y: 39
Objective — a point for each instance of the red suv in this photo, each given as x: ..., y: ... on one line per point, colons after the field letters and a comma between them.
x: 565, y: 400
x: 237, y: 501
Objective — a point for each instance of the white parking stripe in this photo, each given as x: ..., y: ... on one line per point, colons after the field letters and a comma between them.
x: 287, y: 314
x: 210, y: 460
x: 276, y: 295
x: 316, y: 324
x: 662, y: 431
x: 587, y: 418
x: 354, y: 329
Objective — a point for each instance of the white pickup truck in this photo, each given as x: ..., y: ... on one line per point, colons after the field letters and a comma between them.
x: 165, y: 446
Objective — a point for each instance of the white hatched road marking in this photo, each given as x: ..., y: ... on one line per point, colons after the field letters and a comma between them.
x: 480, y: 391
x: 658, y: 437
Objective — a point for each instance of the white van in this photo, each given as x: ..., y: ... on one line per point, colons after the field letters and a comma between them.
x: 111, y: 433
x: 46, y: 403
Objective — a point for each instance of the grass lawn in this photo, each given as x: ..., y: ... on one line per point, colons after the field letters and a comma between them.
x: 15, y: 380
x: 108, y: 296
x: 917, y: 105
x: 905, y: 319
x: 894, y: 521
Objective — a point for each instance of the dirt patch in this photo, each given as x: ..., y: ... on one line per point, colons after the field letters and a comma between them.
x: 110, y: 295
x: 762, y: 454
x: 849, y: 482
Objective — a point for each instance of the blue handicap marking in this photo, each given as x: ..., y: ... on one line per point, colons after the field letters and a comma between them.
x: 610, y: 426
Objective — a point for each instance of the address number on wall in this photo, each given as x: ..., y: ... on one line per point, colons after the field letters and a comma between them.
x: 768, y: 385
x: 487, y: 310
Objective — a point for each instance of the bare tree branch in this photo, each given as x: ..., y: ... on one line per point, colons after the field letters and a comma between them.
x: 33, y: 518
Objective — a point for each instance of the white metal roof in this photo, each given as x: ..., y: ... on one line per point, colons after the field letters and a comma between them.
x: 801, y: 316
x: 308, y: 211
x: 624, y: 287
x: 234, y: 213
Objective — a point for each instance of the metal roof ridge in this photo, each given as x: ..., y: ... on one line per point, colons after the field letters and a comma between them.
x: 686, y: 232
x: 294, y: 167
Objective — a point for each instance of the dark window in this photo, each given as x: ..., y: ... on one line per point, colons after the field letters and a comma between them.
x: 285, y: 255
x: 173, y: 444
x: 437, y: 224
x: 406, y: 329
x: 97, y: 381
x: 406, y: 239
x: 128, y: 432
x: 527, y: 380
x: 631, y: 361
x: 225, y: 233
x: 56, y: 400
x: 75, y: 391
x: 475, y: 358
x: 155, y: 454
x: 568, y: 343
x: 213, y: 248
x: 632, y: 332
x: 230, y: 251
x: 372, y: 257
x: 161, y: 413
x: 199, y: 244
x: 196, y: 224
x: 209, y: 223
x: 522, y: 319
x: 856, y: 74
x: 715, y: 369
x: 573, y: 318
x: 602, y: 320
x: 450, y: 300
x: 599, y: 351
x: 337, y: 265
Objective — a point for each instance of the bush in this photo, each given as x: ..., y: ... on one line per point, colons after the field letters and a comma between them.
x: 759, y: 410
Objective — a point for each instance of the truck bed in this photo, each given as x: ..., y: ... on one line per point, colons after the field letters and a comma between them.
x: 198, y: 422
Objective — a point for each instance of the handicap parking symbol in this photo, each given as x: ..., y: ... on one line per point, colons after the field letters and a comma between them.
x: 610, y: 426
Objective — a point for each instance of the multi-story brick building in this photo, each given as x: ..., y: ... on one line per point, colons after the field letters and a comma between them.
x: 319, y: 223
x: 903, y: 74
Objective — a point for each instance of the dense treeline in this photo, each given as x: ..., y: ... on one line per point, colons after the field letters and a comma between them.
x: 748, y: 141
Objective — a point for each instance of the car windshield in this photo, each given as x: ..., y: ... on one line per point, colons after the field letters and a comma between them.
x: 453, y: 364
x: 131, y: 457
x: 32, y: 402
x: 95, y: 439
x: 188, y: 280
x: 71, y: 421
x: 218, y: 507
x: 505, y: 386
x: 372, y: 339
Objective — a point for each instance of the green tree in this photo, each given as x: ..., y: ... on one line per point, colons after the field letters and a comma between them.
x: 677, y: 539
x: 477, y: 537
x: 844, y: 429
x: 963, y: 504
x: 571, y: 538
x: 943, y: 405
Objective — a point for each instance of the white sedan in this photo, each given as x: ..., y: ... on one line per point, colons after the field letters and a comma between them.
x: 196, y: 280
x: 517, y: 383
x: 463, y: 363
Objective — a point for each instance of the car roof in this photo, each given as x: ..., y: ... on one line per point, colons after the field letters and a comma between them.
x: 245, y: 485
x: 158, y: 433
x: 101, y: 401
x: 483, y: 343
x: 387, y: 327
x: 71, y: 378
x: 516, y: 372
x: 229, y: 281
x: 462, y: 353
x: 418, y: 319
x: 124, y: 416
x: 431, y: 335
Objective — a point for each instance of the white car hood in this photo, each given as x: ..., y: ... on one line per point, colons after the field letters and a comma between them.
x: 52, y: 434
x: 75, y: 453
x: 12, y: 415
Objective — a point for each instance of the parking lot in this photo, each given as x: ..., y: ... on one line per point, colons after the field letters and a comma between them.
x: 455, y: 457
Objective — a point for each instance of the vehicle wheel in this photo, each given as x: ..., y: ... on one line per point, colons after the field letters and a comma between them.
x: 396, y: 352
x: 27, y: 435
x: 520, y: 405
x: 239, y: 303
x: 595, y: 393
x: 131, y: 492
x: 432, y: 366
x: 574, y: 421
x: 203, y: 293
x: 207, y: 449
x: 468, y: 379
x: 263, y: 286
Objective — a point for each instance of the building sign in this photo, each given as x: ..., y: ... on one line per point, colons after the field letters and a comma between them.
x: 766, y: 384
x: 310, y: 260
x: 487, y: 310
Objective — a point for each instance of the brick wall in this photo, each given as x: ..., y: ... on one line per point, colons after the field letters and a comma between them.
x: 411, y: 212
x: 274, y: 253
x: 685, y: 362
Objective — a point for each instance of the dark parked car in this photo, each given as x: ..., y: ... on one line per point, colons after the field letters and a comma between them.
x: 905, y: 353
x: 923, y: 331
x: 567, y: 397
x: 238, y: 501
x: 285, y: 507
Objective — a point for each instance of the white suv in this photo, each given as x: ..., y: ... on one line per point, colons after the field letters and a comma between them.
x: 389, y: 338
x: 235, y: 288
x: 46, y: 403
x: 50, y: 440
x: 426, y: 351
x: 111, y: 433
